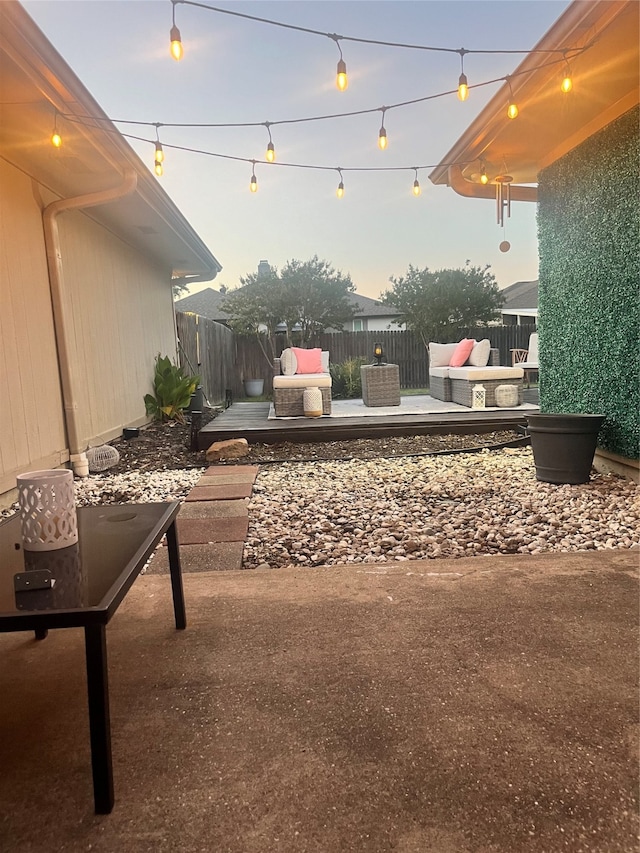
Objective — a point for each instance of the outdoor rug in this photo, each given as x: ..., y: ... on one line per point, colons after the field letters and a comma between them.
x: 418, y: 405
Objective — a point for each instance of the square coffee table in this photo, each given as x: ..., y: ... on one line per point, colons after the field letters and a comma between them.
x: 380, y: 384
x: 91, y: 580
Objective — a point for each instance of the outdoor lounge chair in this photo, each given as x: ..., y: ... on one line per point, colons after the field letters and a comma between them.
x: 289, y: 385
x: 455, y: 384
x: 527, y: 359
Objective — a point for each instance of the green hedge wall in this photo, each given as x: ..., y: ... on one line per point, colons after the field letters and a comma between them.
x: 589, y: 318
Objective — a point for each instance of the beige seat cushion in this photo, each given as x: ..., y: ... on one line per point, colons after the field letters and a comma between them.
x: 303, y: 380
x: 475, y: 374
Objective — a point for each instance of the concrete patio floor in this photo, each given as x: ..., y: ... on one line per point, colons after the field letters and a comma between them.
x: 452, y: 706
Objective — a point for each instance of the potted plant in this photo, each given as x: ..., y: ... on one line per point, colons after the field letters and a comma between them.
x: 172, y: 391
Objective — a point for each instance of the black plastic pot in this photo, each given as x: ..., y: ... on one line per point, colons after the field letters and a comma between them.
x: 563, y: 446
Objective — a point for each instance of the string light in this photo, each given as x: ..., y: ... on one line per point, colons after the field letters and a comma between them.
x: 159, y: 156
x: 512, y: 109
x: 177, y: 51
x: 416, y: 184
x: 463, y: 83
x: 567, y: 83
x: 341, y: 71
x: 91, y: 120
x: 382, y: 133
x: 340, y: 190
x: 158, y: 168
x: 253, y: 186
x: 56, y: 139
x: 270, y: 156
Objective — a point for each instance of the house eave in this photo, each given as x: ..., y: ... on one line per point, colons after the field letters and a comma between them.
x: 35, y: 83
x: 550, y: 124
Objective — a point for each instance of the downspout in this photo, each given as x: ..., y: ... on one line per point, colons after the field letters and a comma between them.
x: 68, y: 379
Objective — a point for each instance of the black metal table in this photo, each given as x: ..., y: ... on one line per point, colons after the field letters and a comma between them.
x: 91, y: 580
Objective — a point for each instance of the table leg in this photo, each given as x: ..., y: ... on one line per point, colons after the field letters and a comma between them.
x: 95, y: 639
x: 176, y: 577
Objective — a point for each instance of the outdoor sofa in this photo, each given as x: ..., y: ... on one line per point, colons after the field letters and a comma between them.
x: 452, y: 381
x: 296, y: 370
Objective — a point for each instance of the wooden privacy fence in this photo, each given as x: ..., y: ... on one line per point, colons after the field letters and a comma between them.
x: 224, y: 360
x: 208, y: 349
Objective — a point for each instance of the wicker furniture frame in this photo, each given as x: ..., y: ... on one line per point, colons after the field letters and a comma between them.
x: 380, y: 384
x: 288, y: 403
x: 440, y: 386
x: 462, y: 390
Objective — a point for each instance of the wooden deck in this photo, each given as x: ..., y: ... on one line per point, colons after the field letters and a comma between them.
x: 250, y: 421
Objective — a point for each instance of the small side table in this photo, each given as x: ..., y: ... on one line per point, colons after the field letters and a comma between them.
x: 380, y: 384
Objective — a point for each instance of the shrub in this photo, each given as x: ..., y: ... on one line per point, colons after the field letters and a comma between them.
x: 172, y: 391
x: 345, y: 377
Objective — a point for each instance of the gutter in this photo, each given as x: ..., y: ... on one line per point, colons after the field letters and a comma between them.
x: 458, y: 183
x: 68, y: 379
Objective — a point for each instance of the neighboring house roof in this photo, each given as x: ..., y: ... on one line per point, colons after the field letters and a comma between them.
x: 206, y: 303
x: 521, y: 295
x: 371, y: 307
x: 550, y: 123
x: 35, y: 84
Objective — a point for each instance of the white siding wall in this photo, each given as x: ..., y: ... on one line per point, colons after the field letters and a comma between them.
x: 120, y: 314
x: 32, y: 433
x: 381, y: 324
x: 121, y: 311
x: 376, y: 324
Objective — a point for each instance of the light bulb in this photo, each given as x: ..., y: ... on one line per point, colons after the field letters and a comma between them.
x: 253, y: 186
x: 177, y: 50
x: 340, y: 190
x: 512, y: 111
x: 567, y: 83
x: 463, y: 88
x: 341, y: 78
x: 271, y: 153
x: 159, y: 153
x: 56, y: 139
x: 484, y: 178
x: 416, y: 188
x: 157, y: 168
x: 382, y: 139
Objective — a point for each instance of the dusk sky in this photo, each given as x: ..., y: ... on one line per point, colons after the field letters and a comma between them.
x: 241, y: 71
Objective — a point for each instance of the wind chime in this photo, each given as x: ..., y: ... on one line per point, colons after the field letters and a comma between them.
x: 503, y: 204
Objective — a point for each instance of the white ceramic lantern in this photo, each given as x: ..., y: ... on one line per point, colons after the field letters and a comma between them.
x: 47, y: 510
x: 478, y: 397
x: 312, y: 402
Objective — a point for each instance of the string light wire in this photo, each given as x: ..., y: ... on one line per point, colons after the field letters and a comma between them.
x: 356, y: 39
x: 79, y: 118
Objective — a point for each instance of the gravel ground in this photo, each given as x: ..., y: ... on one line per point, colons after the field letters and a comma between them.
x: 470, y: 504
x: 375, y: 500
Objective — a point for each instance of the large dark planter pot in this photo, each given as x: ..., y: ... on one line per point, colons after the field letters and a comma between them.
x: 563, y: 446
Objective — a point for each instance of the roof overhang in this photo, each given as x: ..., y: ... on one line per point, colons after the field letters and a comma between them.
x: 35, y: 82
x: 551, y: 123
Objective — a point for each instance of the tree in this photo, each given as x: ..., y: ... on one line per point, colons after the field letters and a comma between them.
x: 435, y: 304
x: 307, y: 296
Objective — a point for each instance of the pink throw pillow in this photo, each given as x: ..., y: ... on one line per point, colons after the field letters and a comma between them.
x: 462, y: 352
x: 309, y: 360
